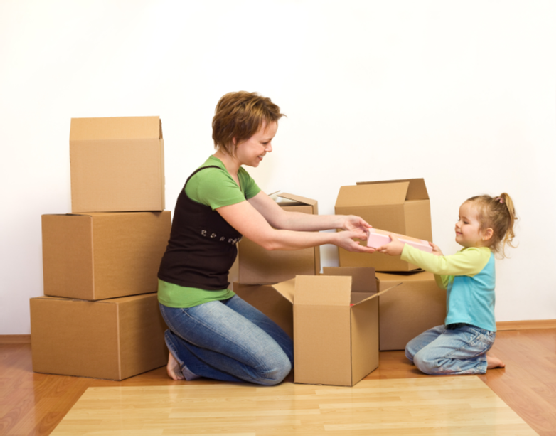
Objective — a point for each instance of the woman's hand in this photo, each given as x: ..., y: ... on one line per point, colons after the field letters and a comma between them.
x: 347, y: 240
x: 351, y: 222
x: 394, y: 248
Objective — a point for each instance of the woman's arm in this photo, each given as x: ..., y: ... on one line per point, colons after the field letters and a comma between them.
x: 247, y: 220
x: 285, y: 220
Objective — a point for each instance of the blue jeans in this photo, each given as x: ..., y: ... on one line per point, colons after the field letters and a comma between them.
x: 228, y: 340
x: 459, y: 351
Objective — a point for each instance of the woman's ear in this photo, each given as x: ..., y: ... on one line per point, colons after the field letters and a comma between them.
x: 487, y: 234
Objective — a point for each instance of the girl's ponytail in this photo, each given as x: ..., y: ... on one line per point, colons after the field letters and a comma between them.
x: 497, y: 213
x: 509, y: 234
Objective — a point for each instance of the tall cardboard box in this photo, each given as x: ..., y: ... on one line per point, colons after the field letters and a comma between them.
x: 398, y: 206
x: 334, y: 318
x: 109, y: 339
x: 94, y: 256
x: 116, y: 164
x: 417, y: 305
x: 259, y: 266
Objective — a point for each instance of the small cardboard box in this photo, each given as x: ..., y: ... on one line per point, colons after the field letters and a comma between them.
x: 259, y: 266
x: 417, y: 305
x: 109, y: 339
x: 335, y: 322
x: 398, y: 206
x: 103, y: 255
x: 116, y: 164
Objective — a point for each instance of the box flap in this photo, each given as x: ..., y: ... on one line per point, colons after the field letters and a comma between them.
x: 370, y: 194
x: 363, y: 278
x: 286, y: 289
x: 297, y: 198
x: 417, y: 189
x: 323, y: 290
x: 115, y: 128
x: 382, y: 292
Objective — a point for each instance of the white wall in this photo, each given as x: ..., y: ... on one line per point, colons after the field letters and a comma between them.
x: 460, y: 93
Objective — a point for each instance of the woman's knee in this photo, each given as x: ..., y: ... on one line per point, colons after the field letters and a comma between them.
x: 275, y: 372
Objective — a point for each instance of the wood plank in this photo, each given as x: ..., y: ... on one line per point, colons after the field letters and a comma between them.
x: 15, y: 339
x: 386, y: 404
x: 535, y: 324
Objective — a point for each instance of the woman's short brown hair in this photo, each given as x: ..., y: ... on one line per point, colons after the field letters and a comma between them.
x: 238, y: 116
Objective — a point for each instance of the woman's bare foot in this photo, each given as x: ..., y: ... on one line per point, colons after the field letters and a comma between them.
x: 173, y: 368
x: 494, y: 362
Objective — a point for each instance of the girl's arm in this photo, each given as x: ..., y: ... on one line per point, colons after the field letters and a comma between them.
x: 247, y: 220
x: 281, y: 219
x: 468, y: 262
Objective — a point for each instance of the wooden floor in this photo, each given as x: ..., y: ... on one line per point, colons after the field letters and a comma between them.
x: 34, y: 404
x: 409, y: 406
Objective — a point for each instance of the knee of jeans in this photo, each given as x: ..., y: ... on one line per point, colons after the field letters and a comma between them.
x: 428, y: 366
x: 276, y: 374
x: 408, y: 353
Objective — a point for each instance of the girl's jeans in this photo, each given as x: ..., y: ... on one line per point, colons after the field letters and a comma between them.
x: 228, y: 340
x: 458, y: 351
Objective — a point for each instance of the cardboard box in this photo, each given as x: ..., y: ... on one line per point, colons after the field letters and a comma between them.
x: 109, y: 339
x: 417, y: 305
x: 116, y: 164
x: 270, y: 302
x: 259, y: 266
x: 335, y: 322
x: 397, y: 206
x: 103, y: 255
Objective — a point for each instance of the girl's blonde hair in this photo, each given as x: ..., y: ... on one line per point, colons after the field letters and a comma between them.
x: 497, y: 213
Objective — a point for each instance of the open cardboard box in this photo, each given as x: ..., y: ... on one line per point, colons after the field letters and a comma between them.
x: 417, y: 305
x: 255, y: 265
x: 335, y: 322
x: 93, y: 256
x: 396, y: 206
x: 109, y: 339
x: 116, y: 164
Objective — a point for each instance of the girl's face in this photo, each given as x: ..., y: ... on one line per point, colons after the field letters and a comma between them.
x: 252, y: 151
x: 468, y: 227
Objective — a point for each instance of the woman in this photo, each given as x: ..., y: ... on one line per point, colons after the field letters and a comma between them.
x: 212, y: 332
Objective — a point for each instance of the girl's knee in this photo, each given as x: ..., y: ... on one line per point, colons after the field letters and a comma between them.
x: 409, y: 353
x: 425, y: 365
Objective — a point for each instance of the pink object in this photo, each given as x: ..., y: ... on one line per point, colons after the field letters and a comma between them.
x: 377, y: 240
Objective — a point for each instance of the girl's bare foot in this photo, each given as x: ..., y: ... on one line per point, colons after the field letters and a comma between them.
x: 494, y: 362
x: 173, y: 368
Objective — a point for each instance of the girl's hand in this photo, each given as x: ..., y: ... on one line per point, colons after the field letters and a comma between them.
x: 436, y: 250
x: 351, y: 222
x: 394, y: 248
x: 347, y: 240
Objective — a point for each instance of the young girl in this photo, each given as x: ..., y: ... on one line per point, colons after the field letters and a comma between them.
x: 460, y: 346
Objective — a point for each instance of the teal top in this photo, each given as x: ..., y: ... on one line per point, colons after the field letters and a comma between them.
x: 215, y: 188
x: 469, y: 277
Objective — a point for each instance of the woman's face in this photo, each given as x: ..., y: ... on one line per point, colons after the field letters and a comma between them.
x: 252, y: 151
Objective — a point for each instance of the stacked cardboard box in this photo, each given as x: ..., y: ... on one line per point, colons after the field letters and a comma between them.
x: 403, y: 207
x: 99, y: 316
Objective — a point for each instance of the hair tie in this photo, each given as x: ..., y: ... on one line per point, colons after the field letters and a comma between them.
x: 499, y: 199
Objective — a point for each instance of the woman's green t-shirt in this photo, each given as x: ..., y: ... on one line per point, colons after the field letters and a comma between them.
x: 214, y: 188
